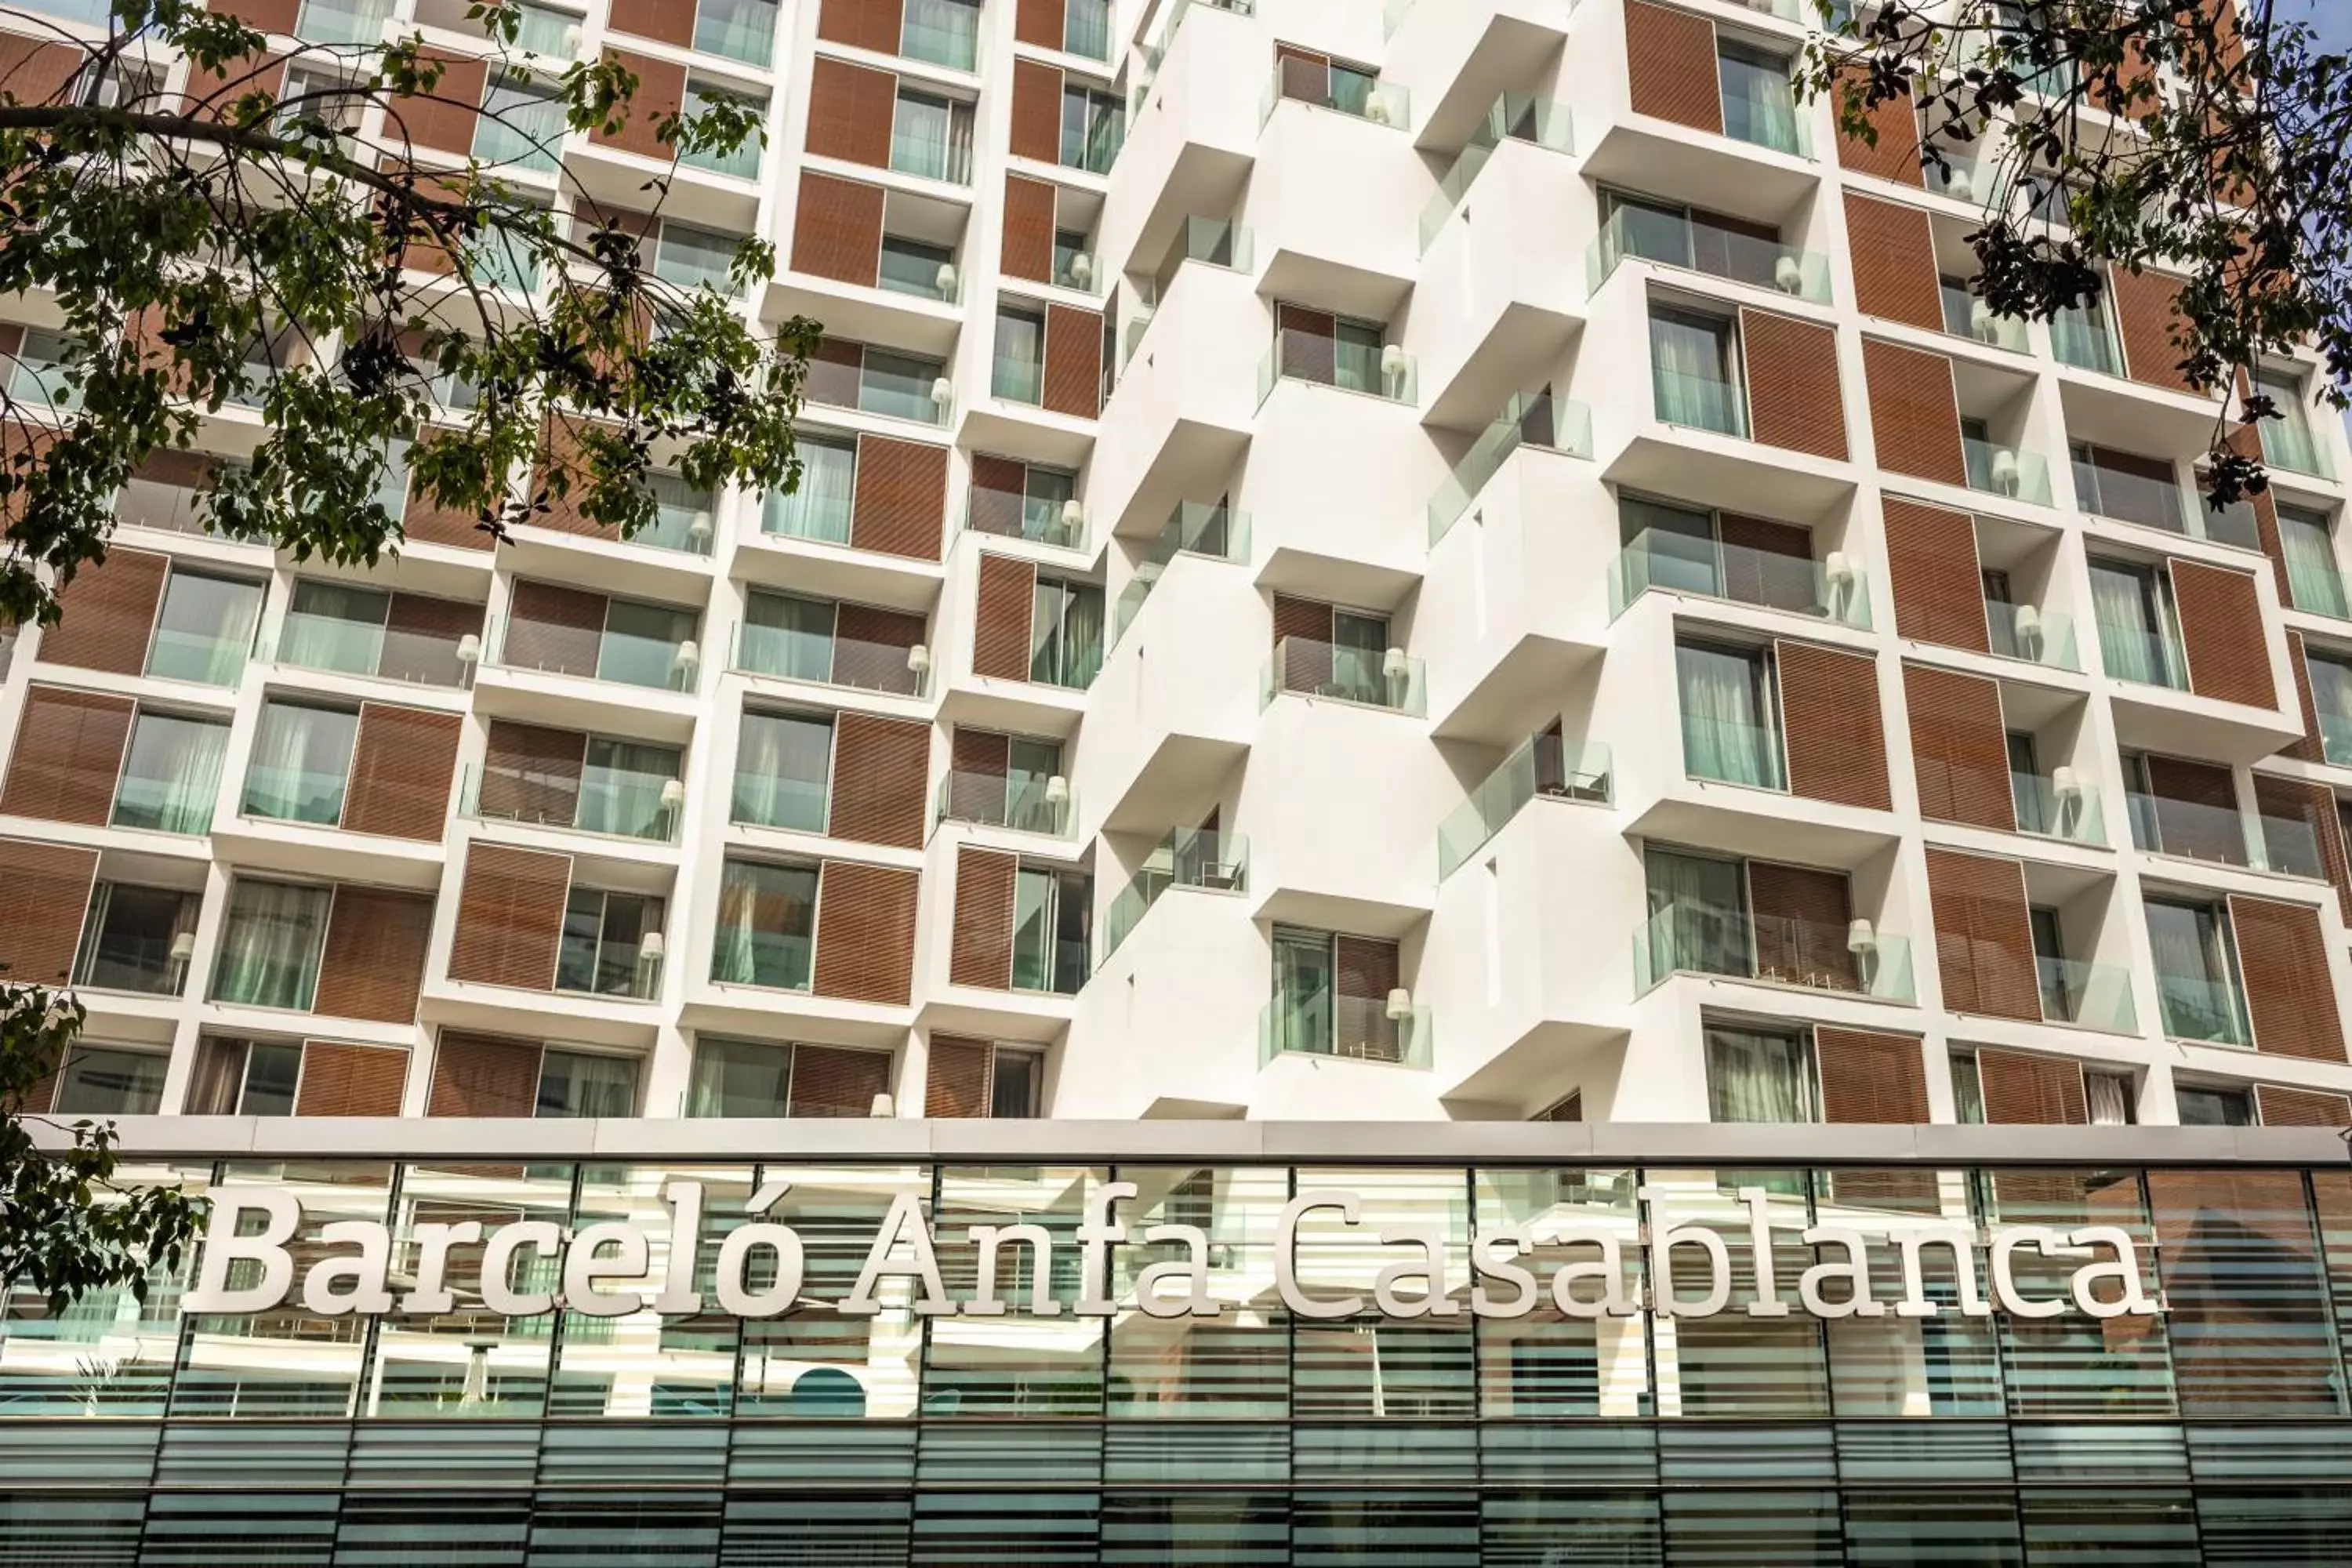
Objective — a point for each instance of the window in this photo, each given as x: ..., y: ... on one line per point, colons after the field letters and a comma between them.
x: 767, y: 925
x: 269, y: 945
x: 2196, y: 971
x: 1695, y: 371
x: 629, y: 789
x: 2126, y: 487
x: 1684, y: 550
x: 1052, y: 913
x: 100, y: 1080
x: 334, y: 626
x: 2138, y: 637
x: 521, y: 124
x: 204, y: 627
x: 301, y: 763
x: 1674, y: 235
x: 2079, y: 334
x: 737, y: 1078
x: 645, y: 645
x: 819, y: 508
x: 1065, y: 633
x: 171, y: 774
x: 611, y: 945
x: 1730, y: 714
x: 244, y: 1078
x: 1332, y: 996
x: 2307, y: 542
x: 1759, y: 104
x: 577, y: 1084
x: 876, y: 380
x: 1093, y: 123
x: 931, y: 137
x: 2331, y: 699
x: 2286, y: 440
x: 742, y: 162
x: 1070, y: 245
x: 784, y: 770
x: 1697, y: 908
x: 118, y: 82
x: 944, y: 32
x: 1015, y: 1079
x: 136, y: 939
x: 1018, y: 373
x: 1968, y: 1088
x: 2108, y: 1097
x: 1761, y: 1075
x: 741, y: 30
x: 2059, y: 982
x: 2202, y: 1107
x: 691, y: 258
x: 911, y: 266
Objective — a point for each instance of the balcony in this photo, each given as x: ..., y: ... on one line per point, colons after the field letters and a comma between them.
x: 1016, y: 802
x: 1368, y: 677
x: 1699, y: 402
x: 2031, y: 635
x: 1670, y: 240
x: 343, y: 646
x: 1528, y: 419
x: 1382, y: 1029
x: 855, y: 663
x: 2011, y: 472
x: 2056, y: 806
x: 2090, y: 995
x: 2203, y: 1009
x: 2220, y: 836
x: 174, y: 509
x: 1386, y: 371
x: 1194, y: 134
x: 1187, y: 857
x: 1759, y: 108
x: 617, y: 657
x: 1514, y: 117
x: 2135, y: 653
x: 1718, y: 569
x: 616, y: 804
x: 1212, y: 530
x: 1965, y: 316
x: 1545, y: 766
x: 1810, y: 955
x: 1733, y: 750
x: 1313, y: 83
x: 2081, y: 337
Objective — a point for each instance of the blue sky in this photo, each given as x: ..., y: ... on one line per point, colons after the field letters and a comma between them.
x: 2333, y: 18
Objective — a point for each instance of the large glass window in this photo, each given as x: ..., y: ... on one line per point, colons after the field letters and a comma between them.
x: 642, y: 644
x: 2195, y: 971
x: 741, y: 30
x: 99, y: 1081
x: 2202, y: 1107
x: 931, y: 137
x: 204, y: 627
x: 944, y: 32
x: 301, y: 761
x: 788, y: 635
x: 1761, y: 1075
x: 820, y: 506
x: 577, y: 1084
x: 742, y: 162
x: 1730, y: 714
x: 2138, y: 639
x: 1093, y: 124
x: 784, y: 770
x: 629, y: 788
x: 521, y: 124
x: 739, y: 1077
x: 244, y: 1078
x: 2314, y: 583
x: 767, y: 925
x: 271, y: 944
x: 334, y: 626
x: 1695, y: 371
x: 136, y: 939
x: 2331, y: 699
x: 1018, y: 375
x: 900, y: 385
x: 1065, y: 633
x: 1760, y: 101
x: 692, y: 257
x: 171, y: 774
x: 911, y: 266
x: 1697, y: 915
x: 1053, y: 911
x: 605, y: 949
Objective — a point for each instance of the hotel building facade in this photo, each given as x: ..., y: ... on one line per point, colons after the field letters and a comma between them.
x: 1450, y: 603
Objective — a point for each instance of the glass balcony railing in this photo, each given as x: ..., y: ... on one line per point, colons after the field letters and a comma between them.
x: 1382, y: 370
x: 1767, y: 121
x: 2005, y: 470
x: 1672, y: 240
x: 1528, y: 419
x: 830, y: 661
x: 1016, y: 378
x: 1700, y: 402
x: 1219, y: 242
x: 1299, y: 80
x: 2094, y: 995
x: 1965, y: 316
x: 1813, y: 955
x: 303, y: 640
x: 619, y: 659
x: 2048, y: 811
x: 2129, y: 498
x: 1196, y: 528
x: 1187, y: 857
x: 2288, y: 443
x: 341, y: 21
x: 1733, y: 750
x: 645, y: 807
x: 1544, y: 766
x: 1369, y: 678
x: 2194, y: 830
x: 1718, y: 569
x: 2080, y: 337
x: 2202, y: 1008
x: 687, y: 526
x: 1350, y: 1028
x: 2034, y: 634
x: 2141, y: 657
x: 290, y: 793
x: 1514, y: 117
x: 1020, y: 803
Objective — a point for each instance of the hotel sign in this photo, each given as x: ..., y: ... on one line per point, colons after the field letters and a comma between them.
x: 528, y: 1268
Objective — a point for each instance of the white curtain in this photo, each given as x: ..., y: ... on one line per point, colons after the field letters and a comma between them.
x: 1726, y: 733
x: 1697, y: 915
x: 2127, y: 642
x: 820, y: 506
x: 1757, y: 1076
x: 300, y: 760
x: 621, y: 789
x: 269, y: 945
x: 784, y: 772
x: 332, y: 625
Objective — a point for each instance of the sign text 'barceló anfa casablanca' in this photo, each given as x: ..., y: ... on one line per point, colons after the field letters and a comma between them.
x: 529, y: 1267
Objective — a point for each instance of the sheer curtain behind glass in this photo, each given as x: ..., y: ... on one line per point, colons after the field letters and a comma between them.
x: 333, y: 626
x: 171, y: 775
x: 1304, y: 983
x: 741, y: 30
x: 1691, y: 359
x: 784, y: 770
x: 2311, y: 571
x: 1697, y: 914
x: 205, y: 628
x: 621, y: 788
x: 301, y: 759
x: 269, y: 945
x: 2121, y: 601
x: 788, y: 636
x: 819, y: 508
x: 2192, y: 977
x: 1668, y: 546
x: 1728, y: 730
x: 737, y: 1078
x: 1754, y: 1075
x: 766, y: 925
